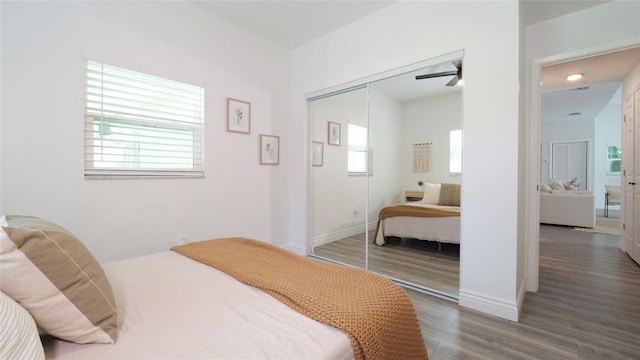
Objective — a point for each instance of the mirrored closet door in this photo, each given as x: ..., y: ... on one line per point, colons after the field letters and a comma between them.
x: 339, y: 194
x: 395, y: 132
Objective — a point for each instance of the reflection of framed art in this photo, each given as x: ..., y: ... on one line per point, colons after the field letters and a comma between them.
x: 269, y: 150
x: 238, y: 116
x: 333, y: 137
x: 316, y: 153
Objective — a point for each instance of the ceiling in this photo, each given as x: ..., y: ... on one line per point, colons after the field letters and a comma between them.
x: 584, y: 98
x: 290, y: 24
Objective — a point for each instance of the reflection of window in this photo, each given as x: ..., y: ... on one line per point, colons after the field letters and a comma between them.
x: 455, y: 152
x: 141, y: 125
x: 360, y: 157
x: 614, y: 156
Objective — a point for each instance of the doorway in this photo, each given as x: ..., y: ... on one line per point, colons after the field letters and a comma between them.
x: 535, y: 158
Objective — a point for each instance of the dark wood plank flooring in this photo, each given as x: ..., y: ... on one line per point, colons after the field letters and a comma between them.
x: 416, y: 261
x: 587, y: 307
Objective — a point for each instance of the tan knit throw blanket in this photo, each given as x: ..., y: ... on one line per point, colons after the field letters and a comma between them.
x: 374, y: 312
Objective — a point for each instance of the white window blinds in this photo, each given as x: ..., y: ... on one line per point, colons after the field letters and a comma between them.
x: 138, y: 125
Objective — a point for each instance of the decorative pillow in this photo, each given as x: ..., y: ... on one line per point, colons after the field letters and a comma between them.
x: 568, y: 186
x: 54, y: 276
x: 556, y: 185
x: 545, y: 187
x: 449, y: 195
x: 19, y: 338
x: 431, y: 193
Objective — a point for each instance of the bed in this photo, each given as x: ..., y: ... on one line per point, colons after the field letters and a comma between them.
x: 224, y: 299
x: 435, y: 218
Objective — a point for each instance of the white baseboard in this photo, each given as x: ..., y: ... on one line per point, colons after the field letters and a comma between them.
x: 296, y: 250
x: 498, y: 307
x: 341, y: 234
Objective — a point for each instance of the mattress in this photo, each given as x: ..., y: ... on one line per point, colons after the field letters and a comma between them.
x: 442, y: 229
x: 170, y: 307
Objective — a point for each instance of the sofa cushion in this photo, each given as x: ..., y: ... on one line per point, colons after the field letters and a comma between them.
x: 556, y: 185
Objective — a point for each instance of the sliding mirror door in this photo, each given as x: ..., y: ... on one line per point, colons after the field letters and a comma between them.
x: 339, y: 126
x: 399, y: 144
x: 412, y: 122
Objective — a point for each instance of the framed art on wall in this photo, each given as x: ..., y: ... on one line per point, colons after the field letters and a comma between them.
x: 317, y: 149
x: 269, y: 150
x: 333, y: 134
x: 238, y: 116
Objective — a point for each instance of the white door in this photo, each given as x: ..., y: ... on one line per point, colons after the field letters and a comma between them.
x: 569, y: 161
x: 626, y: 235
x: 635, y: 186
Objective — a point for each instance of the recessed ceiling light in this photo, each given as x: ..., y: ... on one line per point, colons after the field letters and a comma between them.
x: 574, y: 77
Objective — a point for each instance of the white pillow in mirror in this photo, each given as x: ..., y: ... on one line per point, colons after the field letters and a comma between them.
x: 431, y: 193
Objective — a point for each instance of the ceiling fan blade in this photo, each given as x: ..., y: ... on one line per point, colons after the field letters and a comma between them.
x: 453, y: 81
x: 435, y: 75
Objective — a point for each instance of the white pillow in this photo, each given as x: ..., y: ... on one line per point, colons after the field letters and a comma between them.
x: 545, y: 187
x: 19, y: 338
x: 431, y: 193
x: 556, y: 185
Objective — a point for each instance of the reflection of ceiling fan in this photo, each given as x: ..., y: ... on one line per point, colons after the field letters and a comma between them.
x: 457, y: 74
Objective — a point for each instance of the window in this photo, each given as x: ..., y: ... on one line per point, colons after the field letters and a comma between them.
x: 455, y: 152
x: 614, y: 156
x: 360, y: 157
x: 138, y: 125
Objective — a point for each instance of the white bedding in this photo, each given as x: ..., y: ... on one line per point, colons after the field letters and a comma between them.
x: 170, y: 307
x: 443, y: 229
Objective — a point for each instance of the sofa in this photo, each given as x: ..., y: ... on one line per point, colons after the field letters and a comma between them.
x: 568, y: 207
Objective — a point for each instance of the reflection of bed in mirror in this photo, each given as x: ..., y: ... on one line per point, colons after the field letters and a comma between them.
x: 435, y: 218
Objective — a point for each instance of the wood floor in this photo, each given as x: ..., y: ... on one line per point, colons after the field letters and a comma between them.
x: 416, y: 261
x: 587, y: 307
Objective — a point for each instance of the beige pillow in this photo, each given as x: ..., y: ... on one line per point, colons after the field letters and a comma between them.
x: 545, y: 187
x: 431, y: 193
x: 19, y: 338
x: 449, y: 195
x: 53, y: 275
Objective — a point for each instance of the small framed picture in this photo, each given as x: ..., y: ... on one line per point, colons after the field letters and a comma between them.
x: 269, y: 150
x: 333, y: 136
x: 317, y: 152
x: 238, y: 116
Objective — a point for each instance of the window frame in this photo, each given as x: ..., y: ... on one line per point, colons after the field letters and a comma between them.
x: 455, y: 153
x: 610, y: 160
x: 146, y: 131
x: 359, y: 149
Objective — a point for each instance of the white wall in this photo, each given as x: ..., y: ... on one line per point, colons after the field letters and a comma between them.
x: 618, y: 27
x: 408, y: 32
x: 44, y: 45
x: 608, y: 132
x: 385, y: 118
x: 335, y: 194
x: 430, y: 120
